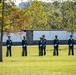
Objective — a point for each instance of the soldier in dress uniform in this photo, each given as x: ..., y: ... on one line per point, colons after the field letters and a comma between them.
x: 24, y: 47
x: 56, y: 45
x: 71, y: 45
x: 44, y: 44
x: 40, y: 44
x: 9, y: 44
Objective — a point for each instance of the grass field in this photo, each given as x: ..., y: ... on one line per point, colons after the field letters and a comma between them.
x: 38, y: 65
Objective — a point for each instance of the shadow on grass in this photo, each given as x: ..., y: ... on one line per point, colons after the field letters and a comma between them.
x: 59, y: 49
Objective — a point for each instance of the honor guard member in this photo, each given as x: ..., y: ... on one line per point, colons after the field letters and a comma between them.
x: 56, y: 45
x: 40, y: 43
x: 9, y: 43
x: 24, y: 47
x: 71, y: 45
x: 44, y: 44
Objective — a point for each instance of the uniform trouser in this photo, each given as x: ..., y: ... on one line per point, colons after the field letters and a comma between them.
x: 40, y: 51
x: 55, y: 50
x: 8, y: 51
x: 71, y: 49
x: 44, y: 49
x: 24, y: 51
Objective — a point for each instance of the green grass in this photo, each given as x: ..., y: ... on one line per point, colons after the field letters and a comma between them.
x: 38, y: 65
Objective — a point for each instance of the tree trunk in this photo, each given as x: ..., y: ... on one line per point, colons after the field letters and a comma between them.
x: 1, y: 52
x: 1, y: 36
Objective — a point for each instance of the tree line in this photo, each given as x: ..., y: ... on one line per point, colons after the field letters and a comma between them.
x: 40, y: 16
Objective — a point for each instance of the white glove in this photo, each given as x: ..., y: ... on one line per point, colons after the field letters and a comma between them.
x: 70, y: 44
x: 24, y: 45
x: 7, y: 45
x: 55, y: 45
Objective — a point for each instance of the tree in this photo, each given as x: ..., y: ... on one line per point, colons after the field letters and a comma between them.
x: 68, y: 11
x: 54, y: 15
x: 37, y: 16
